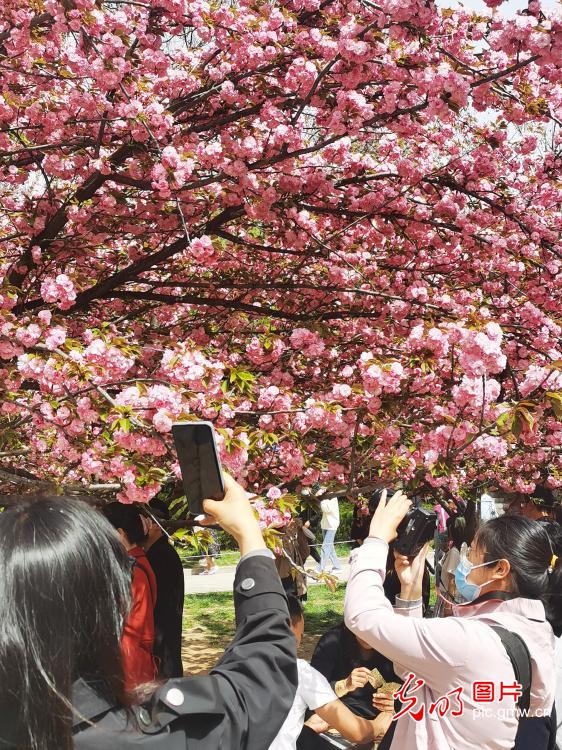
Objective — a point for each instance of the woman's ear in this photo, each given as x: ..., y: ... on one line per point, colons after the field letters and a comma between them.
x: 146, y: 524
x: 502, y: 569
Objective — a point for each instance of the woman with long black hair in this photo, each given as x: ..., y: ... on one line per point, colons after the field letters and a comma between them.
x: 347, y: 663
x: 65, y: 590
x: 512, y: 578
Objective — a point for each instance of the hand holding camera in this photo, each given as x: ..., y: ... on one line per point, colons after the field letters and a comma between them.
x: 411, y: 526
x: 388, y: 515
x: 410, y: 572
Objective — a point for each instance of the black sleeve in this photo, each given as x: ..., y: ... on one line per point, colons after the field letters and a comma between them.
x: 243, y: 702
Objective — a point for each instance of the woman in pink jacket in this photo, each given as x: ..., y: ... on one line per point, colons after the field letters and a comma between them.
x: 510, y: 578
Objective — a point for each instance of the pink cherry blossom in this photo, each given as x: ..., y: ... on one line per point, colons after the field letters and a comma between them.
x: 60, y: 290
x: 296, y: 228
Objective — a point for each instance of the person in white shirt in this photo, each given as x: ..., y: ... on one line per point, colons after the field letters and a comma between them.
x: 329, y: 525
x: 315, y: 692
x: 488, y: 507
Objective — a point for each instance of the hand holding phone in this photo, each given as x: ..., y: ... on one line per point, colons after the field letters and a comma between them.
x: 205, y: 486
x: 236, y: 516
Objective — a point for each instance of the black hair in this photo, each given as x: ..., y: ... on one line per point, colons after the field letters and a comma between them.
x: 295, y: 609
x: 472, y: 518
x: 162, y: 510
x: 65, y: 588
x: 459, y: 531
x: 352, y: 651
x: 128, y: 518
x: 545, y: 496
x: 529, y: 547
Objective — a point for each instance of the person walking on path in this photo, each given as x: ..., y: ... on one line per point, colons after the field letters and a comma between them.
x: 329, y: 525
x: 213, y: 551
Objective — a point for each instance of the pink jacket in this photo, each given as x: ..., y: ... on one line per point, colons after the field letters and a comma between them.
x: 449, y: 653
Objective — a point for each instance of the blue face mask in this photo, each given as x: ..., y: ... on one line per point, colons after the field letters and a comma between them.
x: 469, y: 591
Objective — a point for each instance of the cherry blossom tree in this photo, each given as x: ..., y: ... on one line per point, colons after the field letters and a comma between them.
x: 332, y: 227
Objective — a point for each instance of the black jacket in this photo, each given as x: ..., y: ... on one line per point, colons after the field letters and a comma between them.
x: 168, y: 612
x: 337, y: 654
x: 240, y: 705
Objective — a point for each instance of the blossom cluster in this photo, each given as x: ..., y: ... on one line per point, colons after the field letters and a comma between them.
x: 333, y: 230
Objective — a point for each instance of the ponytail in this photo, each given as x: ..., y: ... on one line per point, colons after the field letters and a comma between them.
x: 552, y: 599
x: 534, y: 552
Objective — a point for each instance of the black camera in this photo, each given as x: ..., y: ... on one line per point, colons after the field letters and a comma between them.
x: 416, y: 528
x: 375, y: 499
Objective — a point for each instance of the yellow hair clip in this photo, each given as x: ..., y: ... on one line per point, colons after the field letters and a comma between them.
x: 552, y: 563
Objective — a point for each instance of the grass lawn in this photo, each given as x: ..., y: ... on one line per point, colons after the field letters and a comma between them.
x: 209, y: 624
x: 214, y: 612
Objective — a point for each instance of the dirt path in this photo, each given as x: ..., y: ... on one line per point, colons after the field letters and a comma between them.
x: 201, y: 651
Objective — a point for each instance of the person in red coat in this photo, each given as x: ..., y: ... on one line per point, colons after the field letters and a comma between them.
x: 137, y: 642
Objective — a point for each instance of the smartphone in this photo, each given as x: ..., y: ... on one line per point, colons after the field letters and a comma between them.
x: 199, y: 463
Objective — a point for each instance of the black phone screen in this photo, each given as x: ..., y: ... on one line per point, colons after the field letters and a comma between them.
x: 199, y: 463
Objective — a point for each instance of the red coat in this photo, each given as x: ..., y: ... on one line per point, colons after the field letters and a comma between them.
x: 138, y: 631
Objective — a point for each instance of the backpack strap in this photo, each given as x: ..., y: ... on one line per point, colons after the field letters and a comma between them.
x: 520, y: 658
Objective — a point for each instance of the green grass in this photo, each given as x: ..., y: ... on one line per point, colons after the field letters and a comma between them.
x: 323, y: 609
x: 215, y: 611
x: 228, y: 557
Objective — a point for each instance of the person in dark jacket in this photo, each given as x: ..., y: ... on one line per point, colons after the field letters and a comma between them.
x: 360, y: 524
x: 344, y: 660
x: 168, y: 613
x: 65, y: 592
x: 540, y: 505
x: 310, y: 517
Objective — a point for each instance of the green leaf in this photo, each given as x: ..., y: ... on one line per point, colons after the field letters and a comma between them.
x: 517, y: 425
x: 555, y: 402
x: 505, y: 420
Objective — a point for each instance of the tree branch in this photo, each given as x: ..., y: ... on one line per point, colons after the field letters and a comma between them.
x: 60, y: 218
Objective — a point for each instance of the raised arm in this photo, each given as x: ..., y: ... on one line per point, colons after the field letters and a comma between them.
x: 243, y: 702
x: 257, y: 676
x: 413, y: 644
